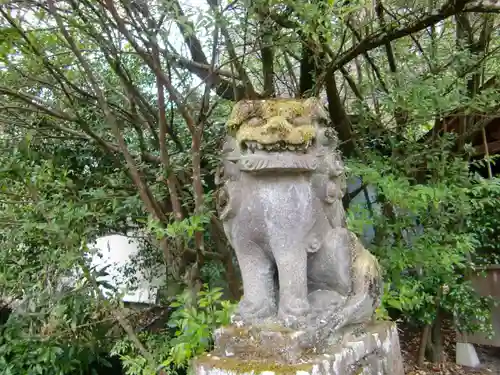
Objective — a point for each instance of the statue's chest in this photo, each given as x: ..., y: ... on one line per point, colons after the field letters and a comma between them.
x: 285, y: 206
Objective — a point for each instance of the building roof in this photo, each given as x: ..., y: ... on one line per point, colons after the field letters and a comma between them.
x: 476, y: 121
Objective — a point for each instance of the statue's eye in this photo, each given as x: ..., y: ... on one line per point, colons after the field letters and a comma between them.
x: 329, y: 133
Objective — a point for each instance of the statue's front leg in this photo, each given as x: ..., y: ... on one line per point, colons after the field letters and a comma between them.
x: 292, y: 272
x: 257, y: 273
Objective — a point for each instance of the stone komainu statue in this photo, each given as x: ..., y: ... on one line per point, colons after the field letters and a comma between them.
x: 280, y: 199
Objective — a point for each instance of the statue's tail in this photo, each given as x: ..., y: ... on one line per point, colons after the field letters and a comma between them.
x: 367, y: 287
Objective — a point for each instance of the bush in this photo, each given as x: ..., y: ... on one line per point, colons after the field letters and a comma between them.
x: 190, y: 334
x: 426, y: 220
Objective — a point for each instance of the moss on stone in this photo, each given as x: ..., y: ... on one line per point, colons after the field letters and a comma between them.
x: 269, y: 121
x: 268, y: 134
x: 241, y: 366
x: 235, y: 331
x: 231, y: 330
x: 365, y: 264
x: 266, y: 109
x: 275, y: 327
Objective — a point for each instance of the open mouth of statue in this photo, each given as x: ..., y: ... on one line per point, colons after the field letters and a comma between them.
x: 277, y: 156
x: 276, y: 135
x: 252, y: 147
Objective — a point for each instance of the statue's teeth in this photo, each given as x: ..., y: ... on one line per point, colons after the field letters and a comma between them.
x: 291, y: 148
x: 251, y: 145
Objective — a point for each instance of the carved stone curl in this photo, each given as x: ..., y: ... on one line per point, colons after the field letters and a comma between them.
x: 282, y: 182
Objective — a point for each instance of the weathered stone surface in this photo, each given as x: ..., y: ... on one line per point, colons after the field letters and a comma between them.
x: 310, y: 287
x: 260, y: 342
x: 372, y: 351
x: 280, y: 201
x: 466, y: 355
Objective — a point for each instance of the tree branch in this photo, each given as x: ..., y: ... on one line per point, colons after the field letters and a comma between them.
x: 173, y: 93
x: 243, y: 76
x: 267, y: 52
x: 376, y: 70
x: 339, y: 116
x: 146, y: 196
x: 38, y: 104
x: 400, y: 115
x: 381, y: 37
x: 222, y: 87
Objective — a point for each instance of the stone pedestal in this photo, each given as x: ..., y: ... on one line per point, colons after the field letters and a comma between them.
x: 370, y: 350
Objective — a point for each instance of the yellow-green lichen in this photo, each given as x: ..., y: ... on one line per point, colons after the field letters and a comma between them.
x: 275, y: 327
x: 233, y: 331
x: 365, y: 262
x: 307, y: 135
x: 266, y: 109
x: 241, y: 366
x: 276, y: 130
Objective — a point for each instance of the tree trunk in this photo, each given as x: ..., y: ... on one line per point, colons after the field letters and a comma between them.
x: 424, y: 338
x: 435, y: 339
x: 436, y: 354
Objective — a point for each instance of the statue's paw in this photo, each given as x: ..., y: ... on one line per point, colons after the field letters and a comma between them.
x: 296, y: 307
x: 248, y: 312
x: 293, y: 321
x: 294, y: 313
x: 237, y: 320
x: 357, y: 309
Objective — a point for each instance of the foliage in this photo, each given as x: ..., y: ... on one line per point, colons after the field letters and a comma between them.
x: 59, y: 334
x: 421, y: 234
x: 111, y: 121
x: 485, y: 222
x: 193, y: 322
x: 60, y: 325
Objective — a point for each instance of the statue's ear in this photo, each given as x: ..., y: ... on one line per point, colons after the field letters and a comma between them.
x: 327, y: 136
x: 230, y: 145
x: 317, y: 110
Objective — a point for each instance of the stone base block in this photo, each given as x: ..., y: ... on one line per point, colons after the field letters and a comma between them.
x: 466, y: 355
x: 373, y: 351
